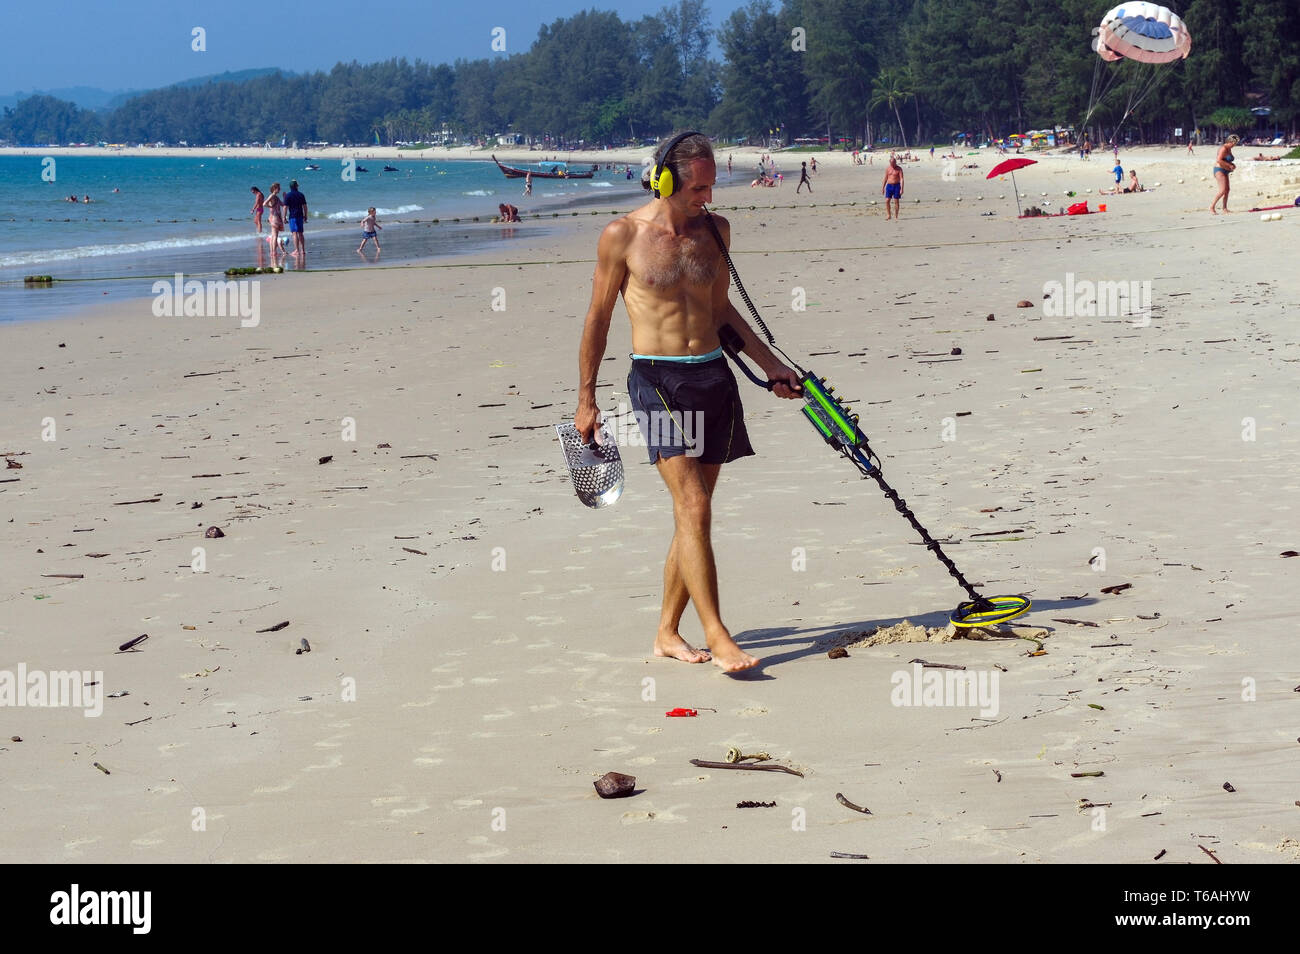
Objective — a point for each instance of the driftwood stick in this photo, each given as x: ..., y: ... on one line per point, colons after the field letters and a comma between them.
x: 849, y: 805
x: 745, y: 766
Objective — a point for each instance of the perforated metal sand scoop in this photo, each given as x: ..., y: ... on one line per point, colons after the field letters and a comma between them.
x: 596, y: 468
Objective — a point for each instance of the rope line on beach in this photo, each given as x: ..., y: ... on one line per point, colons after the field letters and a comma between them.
x: 589, y: 261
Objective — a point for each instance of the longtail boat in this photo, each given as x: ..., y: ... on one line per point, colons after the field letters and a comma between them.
x: 557, y: 170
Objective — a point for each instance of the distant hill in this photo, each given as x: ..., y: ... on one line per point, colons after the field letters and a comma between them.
x: 87, y: 97
x: 102, y: 100
x: 235, y: 76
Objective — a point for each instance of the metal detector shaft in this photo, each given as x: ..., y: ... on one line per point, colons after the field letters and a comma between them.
x: 839, y: 428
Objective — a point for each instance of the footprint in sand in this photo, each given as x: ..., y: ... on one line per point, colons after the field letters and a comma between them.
x: 498, y: 714
x: 335, y: 761
x: 401, y: 811
x: 636, y: 818
x: 74, y: 846
x: 490, y: 852
x: 750, y: 711
x: 420, y: 705
x: 273, y: 789
x: 149, y: 840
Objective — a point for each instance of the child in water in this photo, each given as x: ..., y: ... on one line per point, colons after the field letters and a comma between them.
x: 369, y: 225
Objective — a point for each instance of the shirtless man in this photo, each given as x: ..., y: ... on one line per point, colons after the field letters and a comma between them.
x: 665, y: 261
x: 892, y: 187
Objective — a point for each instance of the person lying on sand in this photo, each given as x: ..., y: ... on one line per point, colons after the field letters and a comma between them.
x: 665, y: 260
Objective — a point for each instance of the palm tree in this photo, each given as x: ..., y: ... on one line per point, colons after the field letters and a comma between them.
x: 890, y: 89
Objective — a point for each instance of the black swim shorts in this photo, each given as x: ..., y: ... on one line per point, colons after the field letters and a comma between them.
x: 689, y: 408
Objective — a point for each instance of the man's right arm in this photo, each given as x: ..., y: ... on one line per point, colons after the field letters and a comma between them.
x: 611, y: 270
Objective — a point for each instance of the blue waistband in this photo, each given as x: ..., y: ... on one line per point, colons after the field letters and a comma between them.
x: 680, y: 358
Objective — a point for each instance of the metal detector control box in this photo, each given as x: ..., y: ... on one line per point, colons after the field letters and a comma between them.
x: 837, y: 425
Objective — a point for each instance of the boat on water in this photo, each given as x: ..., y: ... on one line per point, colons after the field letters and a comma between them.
x: 311, y: 168
x: 546, y: 170
x: 390, y: 168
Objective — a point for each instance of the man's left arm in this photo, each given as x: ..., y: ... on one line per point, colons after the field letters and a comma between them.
x: 785, y: 382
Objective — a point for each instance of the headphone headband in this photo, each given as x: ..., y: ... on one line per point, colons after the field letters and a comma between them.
x: 661, y: 167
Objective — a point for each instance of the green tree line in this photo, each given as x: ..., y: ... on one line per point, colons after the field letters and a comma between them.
x: 902, y: 70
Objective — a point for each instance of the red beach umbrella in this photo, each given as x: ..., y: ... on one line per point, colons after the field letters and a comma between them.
x: 1011, y: 165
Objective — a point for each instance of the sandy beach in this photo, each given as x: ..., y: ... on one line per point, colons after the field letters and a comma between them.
x: 377, y: 452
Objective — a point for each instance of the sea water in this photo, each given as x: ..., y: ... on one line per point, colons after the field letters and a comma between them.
x: 152, y: 217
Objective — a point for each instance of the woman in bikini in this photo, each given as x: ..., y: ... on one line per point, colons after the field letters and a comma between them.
x: 259, y: 203
x: 276, y: 207
x: 1224, y: 166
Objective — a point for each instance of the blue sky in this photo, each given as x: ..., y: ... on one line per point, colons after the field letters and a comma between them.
x: 137, y: 44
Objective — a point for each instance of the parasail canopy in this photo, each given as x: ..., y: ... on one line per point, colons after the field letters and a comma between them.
x: 1142, y: 31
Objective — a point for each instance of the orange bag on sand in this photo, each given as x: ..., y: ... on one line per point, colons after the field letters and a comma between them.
x: 1079, y: 208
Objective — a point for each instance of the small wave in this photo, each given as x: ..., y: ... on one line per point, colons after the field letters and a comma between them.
x: 601, y: 185
x: 349, y: 215
x: 482, y: 192
x: 125, y: 248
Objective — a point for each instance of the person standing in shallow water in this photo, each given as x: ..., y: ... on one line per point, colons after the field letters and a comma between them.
x: 665, y: 260
x: 275, y: 205
x: 295, y: 207
x: 259, y: 206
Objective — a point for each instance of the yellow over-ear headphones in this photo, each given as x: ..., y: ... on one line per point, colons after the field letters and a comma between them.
x: 661, y: 177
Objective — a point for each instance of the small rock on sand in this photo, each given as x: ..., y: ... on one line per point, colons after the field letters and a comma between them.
x: 615, y: 785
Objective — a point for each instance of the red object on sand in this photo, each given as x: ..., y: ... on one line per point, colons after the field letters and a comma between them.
x: 680, y: 713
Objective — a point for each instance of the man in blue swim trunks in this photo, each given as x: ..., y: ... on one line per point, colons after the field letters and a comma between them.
x: 295, y: 207
x: 665, y: 261
x: 892, y: 187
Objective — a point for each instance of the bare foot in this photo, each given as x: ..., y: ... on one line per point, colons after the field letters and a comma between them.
x: 729, y: 657
x: 672, y: 646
